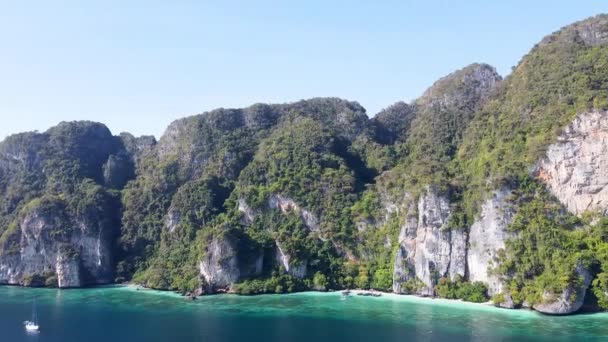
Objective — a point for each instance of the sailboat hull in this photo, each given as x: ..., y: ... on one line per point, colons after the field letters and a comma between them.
x: 31, y: 327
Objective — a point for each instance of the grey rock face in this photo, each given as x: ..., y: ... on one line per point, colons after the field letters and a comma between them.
x: 487, y: 237
x: 592, y: 32
x: 296, y: 269
x: 248, y: 213
x: 458, y: 253
x: 68, y: 272
x: 21, y: 150
x: 172, y: 220
x: 94, y: 244
x: 138, y: 148
x: 447, y: 92
x: 86, y: 250
x: 118, y: 170
x: 428, y: 250
x: 169, y: 143
x: 220, y: 267
x: 286, y: 204
x: 570, y: 300
x: 576, y: 167
x: 403, y: 270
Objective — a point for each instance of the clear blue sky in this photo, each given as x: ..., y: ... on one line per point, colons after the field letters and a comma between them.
x: 138, y: 65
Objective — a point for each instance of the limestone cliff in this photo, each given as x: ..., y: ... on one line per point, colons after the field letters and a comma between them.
x: 571, y: 299
x: 58, y: 217
x: 487, y: 238
x: 49, y: 245
x: 575, y: 171
x: 286, y: 204
x: 220, y: 267
x: 576, y: 166
x: 429, y: 250
x: 224, y: 263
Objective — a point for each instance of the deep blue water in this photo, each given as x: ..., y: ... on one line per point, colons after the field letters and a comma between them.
x: 124, y: 314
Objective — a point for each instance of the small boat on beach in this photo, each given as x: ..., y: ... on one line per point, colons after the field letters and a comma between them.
x: 369, y: 293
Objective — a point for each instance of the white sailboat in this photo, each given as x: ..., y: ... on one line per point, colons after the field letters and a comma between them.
x: 32, y: 326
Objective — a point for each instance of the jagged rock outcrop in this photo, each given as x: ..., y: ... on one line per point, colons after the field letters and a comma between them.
x: 118, y: 170
x: 21, y: 150
x: 220, y: 268
x: 138, y: 148
x: 222, y: 265
x: 296, y: 269
x: 68, y: 271
x: 248, y: 213
x: 286, y: 204
x: 428, y: 249
x: 571, y: 299
x: 507, y: 303
x: 49, y: 243
x: 591, y: 31
x: 574, y: 170
x: 469, y: 86
x: 487, y: 237
x: 575, y: 166
x: 172, y: 220
x: 58, y: 221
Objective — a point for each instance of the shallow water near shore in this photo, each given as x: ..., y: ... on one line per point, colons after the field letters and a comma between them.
x: 117, y: 313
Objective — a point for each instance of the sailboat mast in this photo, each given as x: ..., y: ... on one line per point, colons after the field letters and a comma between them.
x: 34, y: 313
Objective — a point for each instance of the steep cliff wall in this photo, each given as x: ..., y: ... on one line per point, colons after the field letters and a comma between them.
x: 51, y: 246
x: 428, y: 250
x: 575, y: 170
x: 220, y: 266
x: 224, y: 264
x: 487, y: 237
x: 58, y: 216
x: 576, y: 166
x: 285, y: 205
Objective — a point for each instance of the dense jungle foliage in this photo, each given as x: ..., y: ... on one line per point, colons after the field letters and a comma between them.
x: 312, y: 181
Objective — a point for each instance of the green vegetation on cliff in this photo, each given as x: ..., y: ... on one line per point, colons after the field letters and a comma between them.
x: 560, y: 78
x: 315, y: 195
x: 59, y: 173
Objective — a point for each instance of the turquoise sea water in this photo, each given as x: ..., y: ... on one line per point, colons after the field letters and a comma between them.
x: 124, y: 314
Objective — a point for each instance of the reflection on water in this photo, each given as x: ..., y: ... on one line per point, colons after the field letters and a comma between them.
x: 118, y: 314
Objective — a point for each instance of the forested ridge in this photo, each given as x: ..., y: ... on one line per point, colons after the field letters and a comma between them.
x: 317, y: 195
